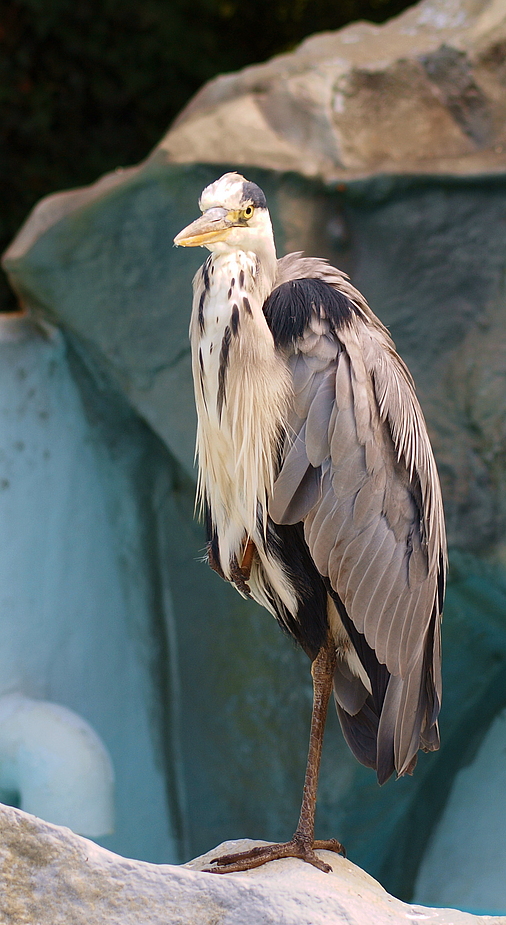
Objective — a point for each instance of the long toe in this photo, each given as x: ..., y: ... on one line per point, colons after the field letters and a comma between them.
x: 246, y: 860
x: 329, y: 844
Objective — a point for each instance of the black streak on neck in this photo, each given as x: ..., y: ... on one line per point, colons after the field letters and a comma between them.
x: 205, y: 273
x: 202, y: 323
x: 234, y: 321
x: 222, y: 371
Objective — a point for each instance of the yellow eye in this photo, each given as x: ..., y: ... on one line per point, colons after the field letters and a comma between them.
x: 248, y: 212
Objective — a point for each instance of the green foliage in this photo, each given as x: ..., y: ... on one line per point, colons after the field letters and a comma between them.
x: 88, y: 85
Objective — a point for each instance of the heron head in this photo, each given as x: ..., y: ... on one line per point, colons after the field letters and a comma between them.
x: 234, y: 216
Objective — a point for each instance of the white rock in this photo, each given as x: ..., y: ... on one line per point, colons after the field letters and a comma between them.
x: 50, y: 876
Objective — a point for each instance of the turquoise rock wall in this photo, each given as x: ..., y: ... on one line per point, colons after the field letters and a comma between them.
x: 78, y: 625
x: 472, y: 868
x: 429, y: 254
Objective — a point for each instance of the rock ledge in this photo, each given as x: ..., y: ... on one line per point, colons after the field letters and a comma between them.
x: 50, y: 876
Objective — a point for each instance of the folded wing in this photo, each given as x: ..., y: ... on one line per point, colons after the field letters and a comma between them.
x: 358, y: 470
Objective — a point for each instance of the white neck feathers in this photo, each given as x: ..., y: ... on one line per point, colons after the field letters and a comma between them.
x: 241, y: 389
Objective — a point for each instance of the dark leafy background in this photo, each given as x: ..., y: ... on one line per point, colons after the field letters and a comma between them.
x: 89, y: 85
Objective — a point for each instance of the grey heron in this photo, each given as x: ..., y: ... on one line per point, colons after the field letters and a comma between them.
x: 319, y: 487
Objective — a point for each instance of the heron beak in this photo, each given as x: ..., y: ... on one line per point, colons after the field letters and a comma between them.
x: 213, y: 225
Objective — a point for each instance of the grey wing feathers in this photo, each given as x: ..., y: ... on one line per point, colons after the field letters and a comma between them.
x: 296, y: 266
x: 359, y: 471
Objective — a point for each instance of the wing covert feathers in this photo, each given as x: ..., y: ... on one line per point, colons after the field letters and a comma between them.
x: 358, y: 470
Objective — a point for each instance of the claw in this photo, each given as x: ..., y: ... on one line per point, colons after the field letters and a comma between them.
x: 238, y: 577
x: 214, y: 561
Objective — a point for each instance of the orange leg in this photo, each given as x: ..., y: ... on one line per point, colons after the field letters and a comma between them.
x: 247, y: 558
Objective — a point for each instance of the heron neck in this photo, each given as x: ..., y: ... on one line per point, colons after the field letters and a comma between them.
x: 261, y: 257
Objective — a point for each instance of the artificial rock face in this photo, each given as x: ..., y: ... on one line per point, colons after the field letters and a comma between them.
x: 426, y: 246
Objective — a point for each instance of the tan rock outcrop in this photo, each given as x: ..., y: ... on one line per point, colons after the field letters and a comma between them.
x: 425, y: 92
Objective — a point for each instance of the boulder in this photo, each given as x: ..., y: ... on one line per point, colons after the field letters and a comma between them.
x: 423, y: 93
x: 51, y: 877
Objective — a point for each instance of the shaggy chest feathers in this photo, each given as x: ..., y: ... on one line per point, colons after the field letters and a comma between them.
x: 242, y: 390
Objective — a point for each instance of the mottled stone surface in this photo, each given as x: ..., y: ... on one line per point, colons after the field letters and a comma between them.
x: 51, y: 877
x: 424, y: 92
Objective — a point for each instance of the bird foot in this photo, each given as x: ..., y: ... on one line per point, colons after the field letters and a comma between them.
x: 214, y: 562
x: 296, y: 848
x: 239, y: 578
